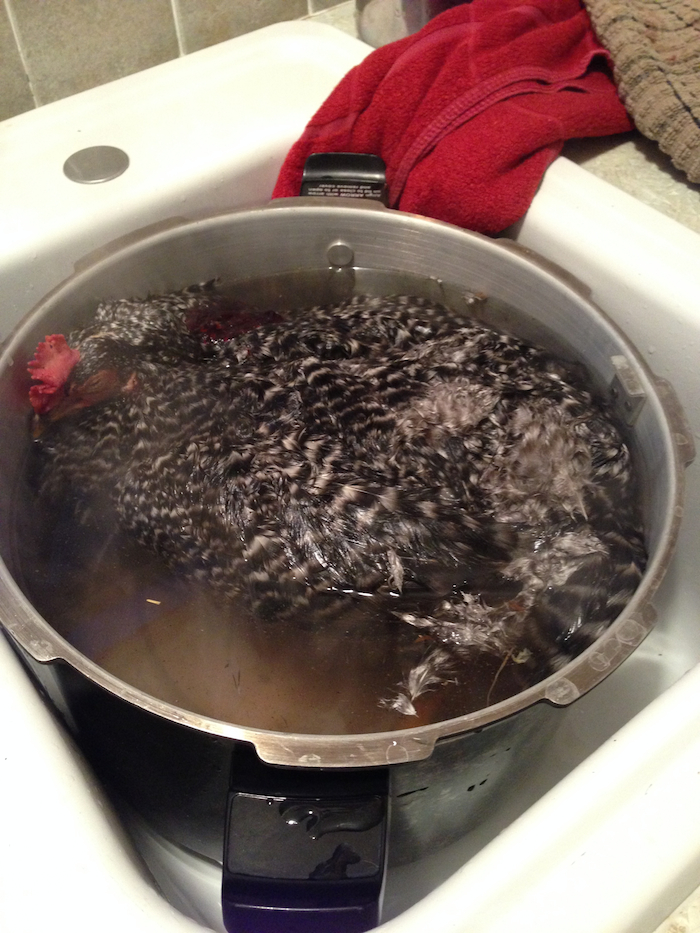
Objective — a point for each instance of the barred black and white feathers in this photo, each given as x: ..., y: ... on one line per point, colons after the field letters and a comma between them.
x: 472, y: 484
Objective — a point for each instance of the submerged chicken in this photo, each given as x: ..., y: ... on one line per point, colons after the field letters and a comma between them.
x: 472, y: 484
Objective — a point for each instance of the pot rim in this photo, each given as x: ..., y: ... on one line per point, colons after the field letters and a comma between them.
x: 42, y: 643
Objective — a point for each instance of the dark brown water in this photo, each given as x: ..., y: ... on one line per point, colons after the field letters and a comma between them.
x: 176, y: 642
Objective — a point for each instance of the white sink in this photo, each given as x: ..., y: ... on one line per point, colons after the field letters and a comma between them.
x: 600, y: 836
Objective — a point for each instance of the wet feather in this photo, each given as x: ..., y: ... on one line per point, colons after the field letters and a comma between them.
x: 472, y: 484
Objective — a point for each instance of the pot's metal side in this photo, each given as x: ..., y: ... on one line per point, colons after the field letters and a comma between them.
x: 177, y: 778
x: 174, y: 776
x: 305, y: 234
x: 436, y: 801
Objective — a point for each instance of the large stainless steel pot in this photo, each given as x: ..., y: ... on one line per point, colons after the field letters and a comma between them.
x: 173, y: 765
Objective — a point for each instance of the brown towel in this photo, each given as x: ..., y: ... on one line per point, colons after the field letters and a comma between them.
x: 655, y: 47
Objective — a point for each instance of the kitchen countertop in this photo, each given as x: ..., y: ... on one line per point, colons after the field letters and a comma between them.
x: 637, y: 165
x: 629, y: 161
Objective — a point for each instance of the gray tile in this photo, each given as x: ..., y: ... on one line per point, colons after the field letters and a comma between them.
x: 341, y: 16
x: 315, y: 6
x: 203, y: 24
x: 15, y: 93
x: 72, y: 45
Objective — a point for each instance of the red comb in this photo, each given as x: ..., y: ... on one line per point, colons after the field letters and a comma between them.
x: 51, y: 366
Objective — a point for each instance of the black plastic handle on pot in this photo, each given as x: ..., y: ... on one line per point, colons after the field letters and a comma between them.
x: 345, y: 175
x: 305, y: 849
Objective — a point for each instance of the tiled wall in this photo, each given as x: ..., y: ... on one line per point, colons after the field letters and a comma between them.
x: 52, y: 48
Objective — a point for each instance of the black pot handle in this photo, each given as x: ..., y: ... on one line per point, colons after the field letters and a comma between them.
x: 345, y: 175
x: 305, y: 849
